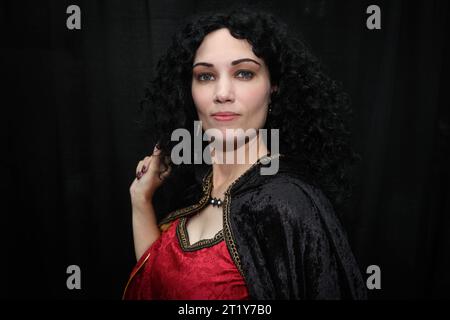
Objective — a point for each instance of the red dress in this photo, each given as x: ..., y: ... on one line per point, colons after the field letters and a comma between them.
x: 172, y: 269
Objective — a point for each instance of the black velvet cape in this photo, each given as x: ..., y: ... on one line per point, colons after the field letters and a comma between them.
x: 283, y: 236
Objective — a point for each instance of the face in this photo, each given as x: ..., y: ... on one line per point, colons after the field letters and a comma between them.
x: 230, y: 84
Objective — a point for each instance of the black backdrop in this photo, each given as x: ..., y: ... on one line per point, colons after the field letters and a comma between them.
x: 70, y: 101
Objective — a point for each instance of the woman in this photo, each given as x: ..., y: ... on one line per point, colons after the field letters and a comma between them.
x: 241, y: 234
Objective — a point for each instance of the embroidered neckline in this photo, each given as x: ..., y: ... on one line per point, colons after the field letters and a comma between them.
x: 183, y: 238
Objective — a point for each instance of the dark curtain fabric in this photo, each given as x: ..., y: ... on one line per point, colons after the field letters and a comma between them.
x: 70, y: 141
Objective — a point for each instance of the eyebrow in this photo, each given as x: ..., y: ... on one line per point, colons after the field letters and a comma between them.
x: 233, y: 63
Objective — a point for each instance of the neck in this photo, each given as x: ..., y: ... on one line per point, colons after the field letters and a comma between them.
x: 224, y: 174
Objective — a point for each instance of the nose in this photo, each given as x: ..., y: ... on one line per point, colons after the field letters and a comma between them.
x: 224, y: 91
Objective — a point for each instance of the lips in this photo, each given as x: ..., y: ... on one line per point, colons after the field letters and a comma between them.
x: 225, y: 116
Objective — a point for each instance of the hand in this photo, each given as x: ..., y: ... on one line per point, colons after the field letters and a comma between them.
x: 150, y: 175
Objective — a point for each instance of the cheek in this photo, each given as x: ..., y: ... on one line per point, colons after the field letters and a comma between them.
x: 255, y: 97
x: 200, y: 95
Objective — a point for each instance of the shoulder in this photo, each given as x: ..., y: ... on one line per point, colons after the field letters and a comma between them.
x: 293, y: 197
x: 303, y: 208
x: 293, y: 184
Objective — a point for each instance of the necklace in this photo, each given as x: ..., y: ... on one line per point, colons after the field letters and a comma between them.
x: 216, y: 202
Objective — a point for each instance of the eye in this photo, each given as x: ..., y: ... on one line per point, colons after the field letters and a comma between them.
x: 205, y: 77
x: 245, y: 74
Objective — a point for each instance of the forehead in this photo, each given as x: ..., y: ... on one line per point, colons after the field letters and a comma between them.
x: 221, y: 46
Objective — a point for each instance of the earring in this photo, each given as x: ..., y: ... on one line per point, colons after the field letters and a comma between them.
x: 270, y: 107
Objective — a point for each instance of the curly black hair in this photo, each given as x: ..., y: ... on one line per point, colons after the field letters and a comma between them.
x: 310, y: 110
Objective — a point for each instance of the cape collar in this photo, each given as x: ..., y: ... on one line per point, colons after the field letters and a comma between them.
x: 249, y: 178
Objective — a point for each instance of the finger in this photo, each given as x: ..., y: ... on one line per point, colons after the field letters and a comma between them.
x: 146, y: 164
x: 165, y: 167
x: 155, y: 163
x: 142, y: 167
x: 166, y: 173
x: 139, y: 167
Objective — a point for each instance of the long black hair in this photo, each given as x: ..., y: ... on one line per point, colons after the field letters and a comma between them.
x: 310, y: 109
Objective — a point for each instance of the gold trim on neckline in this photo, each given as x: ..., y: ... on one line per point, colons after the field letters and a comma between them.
x: 183, y: 238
